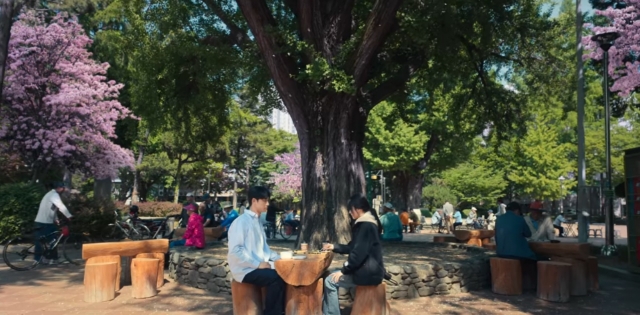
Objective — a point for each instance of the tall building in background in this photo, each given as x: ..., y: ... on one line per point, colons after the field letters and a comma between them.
x: 282, y: 121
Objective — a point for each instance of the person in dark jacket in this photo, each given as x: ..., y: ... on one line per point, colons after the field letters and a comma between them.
x: 364, y: 265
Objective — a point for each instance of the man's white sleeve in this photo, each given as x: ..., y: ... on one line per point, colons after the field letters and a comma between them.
x: 55, y: 199
x: 238, y: 248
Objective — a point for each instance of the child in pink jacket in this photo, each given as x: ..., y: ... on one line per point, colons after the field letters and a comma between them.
x: 194, y: 235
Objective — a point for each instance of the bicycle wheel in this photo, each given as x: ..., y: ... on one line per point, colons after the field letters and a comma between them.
x: 284, y: 228
x: 19, y: 254
x: 72, y: 248
x: 140, y: 232
x: 111, y: 233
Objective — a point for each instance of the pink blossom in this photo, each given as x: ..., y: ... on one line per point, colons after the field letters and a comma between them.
x: 288, y: 182
x: 60, y: 108
x: 624, y: 73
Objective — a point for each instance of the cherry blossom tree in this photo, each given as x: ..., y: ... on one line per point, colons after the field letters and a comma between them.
x: 288, y: 181
x: 59, y: 110
x: 624, y: 64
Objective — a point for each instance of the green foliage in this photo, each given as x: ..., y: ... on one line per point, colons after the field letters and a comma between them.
x: 426, y: 213
x: 475, y: 182
x: 90, y: 216
x: 437, y: 193
x: 18, y: 207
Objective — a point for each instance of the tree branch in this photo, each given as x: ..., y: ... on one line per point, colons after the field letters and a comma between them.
x: 395, y: 83
x: 378, y: 27
x: 237, y: 35
x: 281, y: 66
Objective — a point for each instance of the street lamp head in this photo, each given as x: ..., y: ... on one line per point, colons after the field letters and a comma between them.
x: 605, y: 40
x: 561, y: 178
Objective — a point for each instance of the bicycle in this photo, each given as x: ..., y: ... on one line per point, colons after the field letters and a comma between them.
x: 158, y: 228
x: 19, y: 252
x: 120, y: 230
x: 286, y: 230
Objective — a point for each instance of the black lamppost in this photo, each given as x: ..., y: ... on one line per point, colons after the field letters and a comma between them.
x: 605, y: 41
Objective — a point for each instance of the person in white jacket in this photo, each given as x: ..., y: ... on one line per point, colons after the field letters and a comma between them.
x: 539, y: 223
x: 46, y: 220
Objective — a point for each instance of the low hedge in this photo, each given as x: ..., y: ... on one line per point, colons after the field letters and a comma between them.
x: 153, y: 208
x: 18, y: 207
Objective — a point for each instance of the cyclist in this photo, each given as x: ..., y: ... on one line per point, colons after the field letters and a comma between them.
x: 46, y: 219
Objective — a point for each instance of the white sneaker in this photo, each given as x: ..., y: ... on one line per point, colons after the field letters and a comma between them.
x: 53, y: 262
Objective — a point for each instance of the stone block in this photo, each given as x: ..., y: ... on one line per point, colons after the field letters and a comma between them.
x: 220, y: 282
x: 204, y: 269
x: 442, y: 287
x: 193, y: 277
x: 414, y: 275
x: 408, y: 269
x: 412, y: 293
x: 394, y: 269
x: 406, y: 281
x: 464, y: 289
x: 219, y: 271
x: 396, y: 278
x: 415, y: 280
x: 442, y: 273
x: 419, y: 285
x: 455, y: 279
x: 404, y: 276
x: 214, y: 262
x: 399, y: 294
x: 201, y: 261
x: 402, y: 288
x: 455, y: 288
x: 202, y: 280
x: 426, y: 291
x: 206, y: 275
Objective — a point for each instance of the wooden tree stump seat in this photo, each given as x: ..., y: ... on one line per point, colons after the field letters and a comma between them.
x: 371, y: 300
x: 144, y: 277
x: 579, y: 275
x: 99, y: 281
x: 160, y: 258
x: 107, y: 259
x: 554, y: 281
x: 490, y: 246
x: 592, y: 269
x: 506, y: 276
x: 474, y: 237
x: 248, y: 299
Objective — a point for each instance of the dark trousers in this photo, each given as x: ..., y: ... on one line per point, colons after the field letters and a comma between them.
x: 274, y: 302
x: 457, y: 224
x: 560, y: 229
x: 45, y: 229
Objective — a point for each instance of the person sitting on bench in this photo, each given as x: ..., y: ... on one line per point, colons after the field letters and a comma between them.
x: 194, y: 235
x: 557, y: 224
x: 250, y: 258
x: 457, y: 217
x: 391, y: 226
x: 539, y: 224
x: 364, y: 265
x: 512, y: 233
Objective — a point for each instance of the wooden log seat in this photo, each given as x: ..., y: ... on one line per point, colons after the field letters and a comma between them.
x: 592, y: 269
x: 144, y: 277
x: 506, y: 276
x: 107, y: 259
x: 248, y: 299
x: 579, y: 275
x: 569, y: 250
x: 371, y: 300
x: 474, y: 237
x: 99, y: 284
x: 160, y: 258
x: 554, y: 281
x: 210, y: 234
x: 445, y: 239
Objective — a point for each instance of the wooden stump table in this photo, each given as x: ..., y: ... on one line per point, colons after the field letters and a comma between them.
x: 579, y: 275
x: 304, y: 286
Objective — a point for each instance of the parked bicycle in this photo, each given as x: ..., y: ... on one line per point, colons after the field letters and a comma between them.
x: 285, y: 229
x: 158, y: 228
x: 19, y: 252
x: 120, y: 230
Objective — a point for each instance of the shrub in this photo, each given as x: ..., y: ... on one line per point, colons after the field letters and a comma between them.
x: 90, y: 216
x: 18, y: 207
x: 426, y: 213
x: 153, y: 208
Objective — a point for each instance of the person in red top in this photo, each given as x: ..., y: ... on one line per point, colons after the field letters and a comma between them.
x: 194, y: 235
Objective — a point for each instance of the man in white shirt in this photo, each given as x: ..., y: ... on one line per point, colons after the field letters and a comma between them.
x: 557, y: 223
x: 539, y: 224
x: 448, y: 216
x: 502, y: 207
x: 250, y: 258
x: 46, y: 219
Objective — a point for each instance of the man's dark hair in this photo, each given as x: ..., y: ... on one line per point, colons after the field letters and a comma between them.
x: 513, y: 206
x: 258, y: 192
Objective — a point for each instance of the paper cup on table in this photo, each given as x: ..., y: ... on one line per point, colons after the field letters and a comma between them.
x: 286, y: 255
x: 304, y: 247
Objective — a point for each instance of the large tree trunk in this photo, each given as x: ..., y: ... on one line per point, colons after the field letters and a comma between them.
x: 102, y: 189
x: 6, y: 20
x: 406, y: 189
x: 332, y: 167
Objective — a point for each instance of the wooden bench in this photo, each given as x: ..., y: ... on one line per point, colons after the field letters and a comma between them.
x: 445, y: 239
x: 474, y: 237
x: 506, y: 276
x: 579, y: 251
x: 123, y: 252
x: 248, y: 299
x: 554, y: 281
x: 371, y: 300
